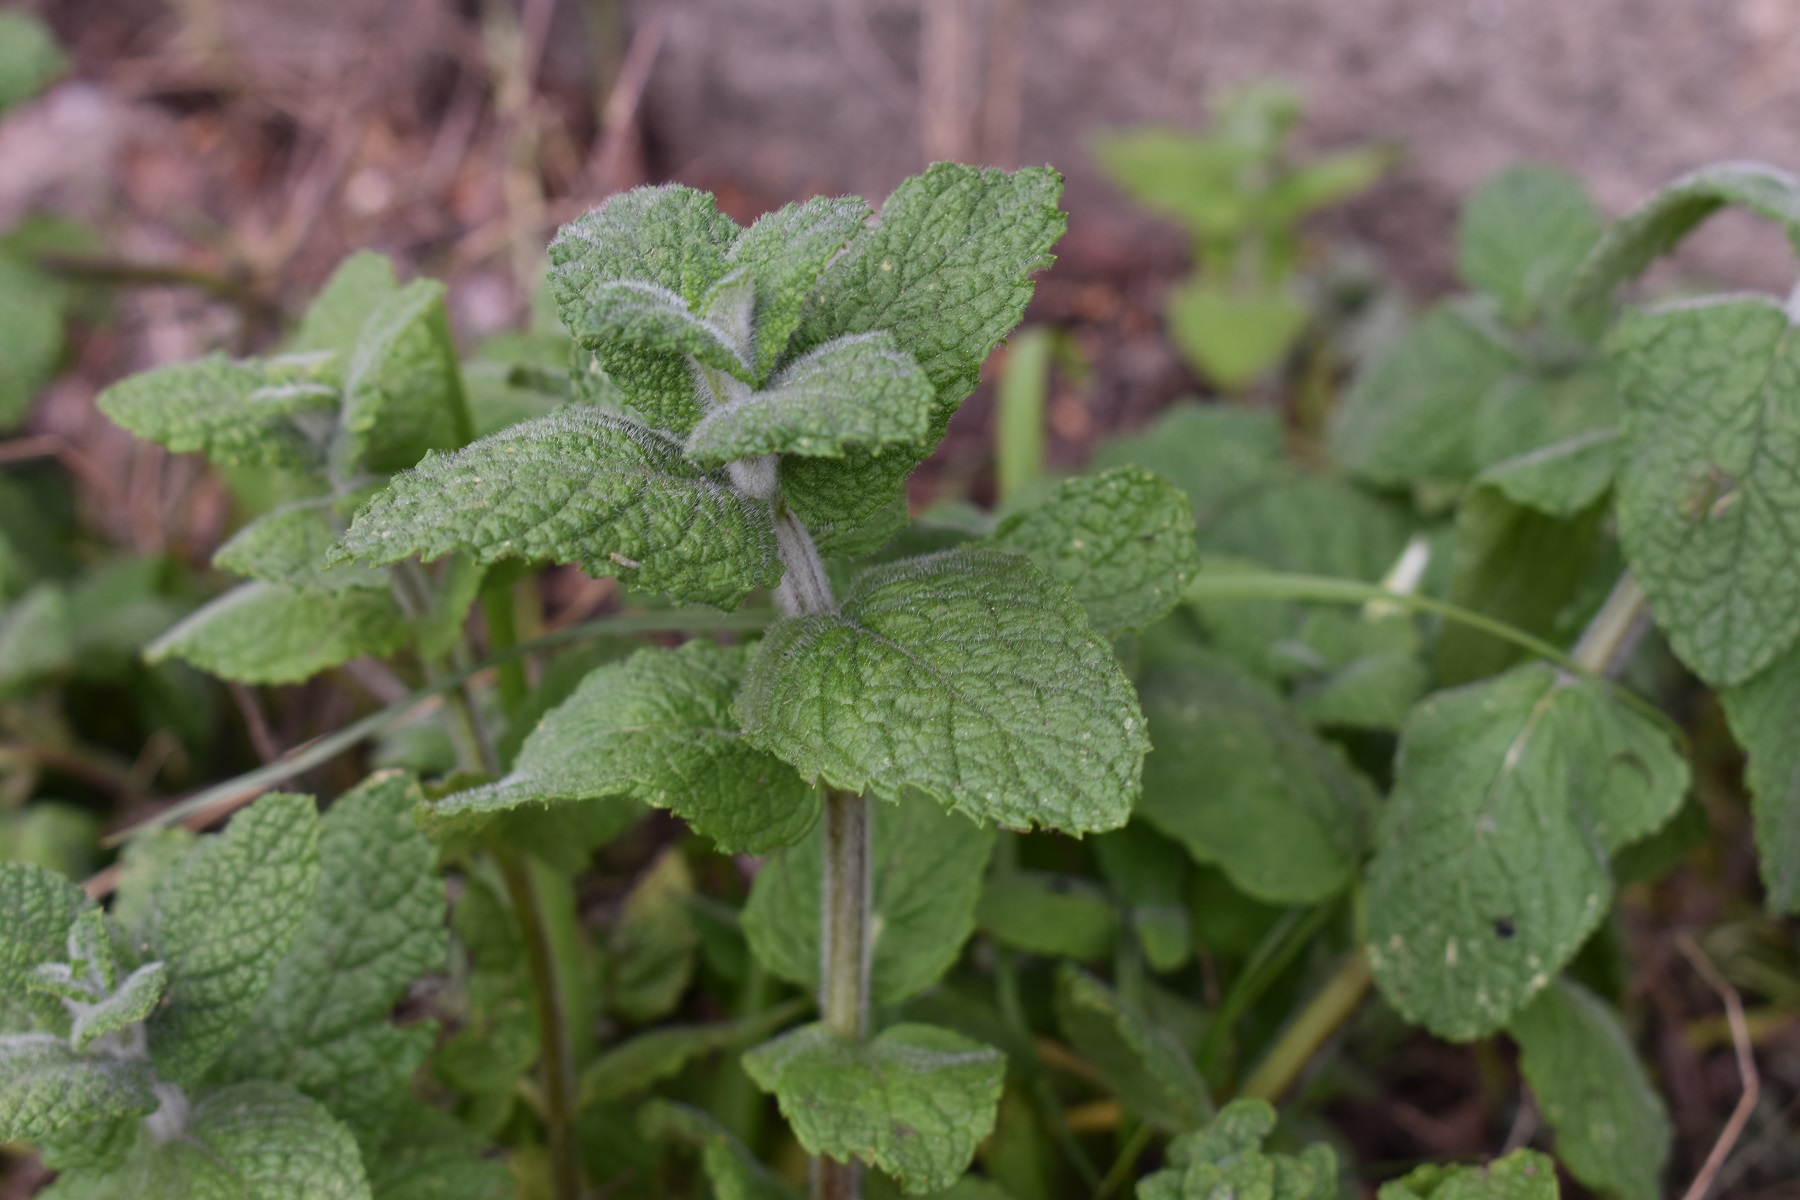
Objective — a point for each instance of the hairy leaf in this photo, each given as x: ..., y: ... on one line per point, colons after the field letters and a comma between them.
x: 222, y: 919
x: 856, y: 391
x: 402, y: 386
x: 782, y: 254
x: 580, y: 486
x: 375, y: 925
x: 131, y: 1002
x: 44, y: 1086
x: 1227, y: 1159
x: 656, y: 323
x: 1709, y: 479
x: 1522, y: 235
x: 1242, y: 785
x: 671, y: 236
x: 1491, y: 861
x: 1560, y: 478
x: 658, y: 728
x: 40, y: 906
x: 336, y: 317
x: 236, y: 413
x: 850, y: 505
x: 268, y: 633
x: 927, y: 869
x: 969, y: 675
x: 1762, y: 712
x: 1521, y: 1175
x: 1145, y: 1066
x: 1355, y: 671
x: 1611, y: 1129
x: 913, y: 1102
x: 288, y: 545
x: 1123, y: 540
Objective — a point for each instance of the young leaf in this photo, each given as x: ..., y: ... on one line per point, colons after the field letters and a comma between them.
x: 288, y: 545
x: 1054, y: 915
x: 913, y: 1102
x: 1762, y: 712
x: 670, y: 236
x: 655, y: 323
x: 1611, y: 1129
x: 254, y: 1141
x: 336, y: 317
x: 1707, y: 479
x: 222, y: 919
x: 268, y: 633
x: 131, y: 1002
x: 856, y: 391
x: 1490, y: 867
x: 376, y: 924
x: 235, y: 413
x: 44, y: 1085
x: 1522, y: 235
x: 969, y: 675
x: 927, y: 875
x: 40, y: 906
x: 1240, y: 784
x: 658, y: 728
x: 782, y: 254
x: 1232, y: 335
x: 1150, y: 1072
x: 1123, y: 540
x: 579, y: 486
x: 733, y: 1171
x: 1521, y: 1175
x: 1227, y: 1159
x: 402, y: 386
x: 1656, y: 226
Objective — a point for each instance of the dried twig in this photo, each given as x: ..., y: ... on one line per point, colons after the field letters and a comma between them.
x: 1746, y: 1063
x: 262, y: 739
x: 620, y: 114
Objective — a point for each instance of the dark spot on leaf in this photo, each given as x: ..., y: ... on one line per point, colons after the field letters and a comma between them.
x: 1503, y: 928
x: 904, y: 1131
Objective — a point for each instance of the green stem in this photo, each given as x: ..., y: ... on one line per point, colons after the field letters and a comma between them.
x: 1605, y: 645
x: 1321, y: 1018
x: 558, y: 1058
x: 1120, y: 1171
x: 501, y: 613
x: 1272, y: 955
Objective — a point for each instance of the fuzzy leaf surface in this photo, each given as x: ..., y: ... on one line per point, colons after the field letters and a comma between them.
x: 782, y: 254
x: 376, y: 924
x: 969, y: 675
x: 131, y: 1002
x: 336, y: 317
x: 1227, y: 1159
x: 1762, y: 713
x: 1241, y: 784
x: 658, y: 728
x: 654, y: 322
x: 267, y: 633
x: 1709, y: 480
x: 1150, y: 1072
x: 914, y: 1101
x: 859, y: 391
x: 1612, y: 1131
x: 288, y: 546
x: 927, y: 869
x: 235, y: 413
x: 222, y: 918
x: 851, y: 505
x: 1491, y: 861
x: 1122, y: 539
x: 44, y: 1086
x: 1521, y: 1175
x: 402, y: 386
x: 580, y: 486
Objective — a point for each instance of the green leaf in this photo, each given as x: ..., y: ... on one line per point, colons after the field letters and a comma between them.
x: 651, y: 947
x: 969, y: 675
x: 658, y: 728
x: 1356, y: 671
x: 402, y: 385
x: 1055, y: 915
x: 376, y: 924
x: 288, y: 545
x: 1241, y: 784
x: 1655, y: 227
x: 32, y: 307
x: 851, y: 506
x: 1560, y: 478
x: 29, y: 57
x: 1521, y: 1175
x: 1227, y: 1159
x: 267, y: 633
x: 1326, y: 180
x: 946, y: 271
x: 1311, y: 524
x: 733, y: 1171
x: 337, y: 315
x: 913, y: 1102
x: 654, y: 322
x: 857, y: 391
x: 1148, y: 1070
x: 439, y: 630
x: 254, y: 1141
x: 1707, y: 479
x: 1151, y: 874
x: 222, y: 918
x: 927, y: 876
x: 430, y: 1155
x: 782, y: 254
x: 1230, y: 335
x: 579, y: 486
x: 37, y: 637
x: 637, y: 1064
x: 44, y: 1086
x: 40, y: 906
x: 235, y: 412
x: 1762, y: 712
x: 1218, y: 454
x: 670, y: 236
x: 1191, y: 179
x: 1123, y: 540
x: 1522, y: 235
x: 1611, y: 1129
x: 1491, y: 861
x: 132, y: 1001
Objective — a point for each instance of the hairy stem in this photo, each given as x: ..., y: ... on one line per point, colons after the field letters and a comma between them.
x: 1315, y: 1025
x: 558, y: 1056
x: 1606, y: 644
